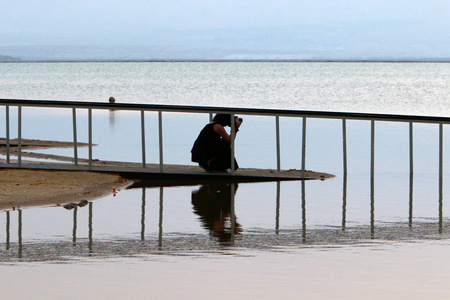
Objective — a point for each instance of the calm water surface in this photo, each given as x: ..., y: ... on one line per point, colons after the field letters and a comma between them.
x: 403, y: 88
x: 317, y: 239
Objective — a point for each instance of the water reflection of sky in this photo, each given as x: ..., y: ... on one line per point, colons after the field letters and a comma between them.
x: 199, y: 219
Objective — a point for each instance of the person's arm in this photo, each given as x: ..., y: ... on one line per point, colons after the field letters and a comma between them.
x: 220, y: 130
x: 223, y: 133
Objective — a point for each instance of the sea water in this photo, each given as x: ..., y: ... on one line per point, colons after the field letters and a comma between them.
x: 397, y: 88
x: 308, y: 231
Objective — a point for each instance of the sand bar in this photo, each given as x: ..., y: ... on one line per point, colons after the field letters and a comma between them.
x: 25, y: 188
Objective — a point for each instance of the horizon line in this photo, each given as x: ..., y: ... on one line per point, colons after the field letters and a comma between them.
x: 412, y: 60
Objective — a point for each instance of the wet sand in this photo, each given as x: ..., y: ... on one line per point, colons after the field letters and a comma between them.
x: 25, y: 188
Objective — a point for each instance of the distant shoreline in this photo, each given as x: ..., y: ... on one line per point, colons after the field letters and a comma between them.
x: 232, y: 60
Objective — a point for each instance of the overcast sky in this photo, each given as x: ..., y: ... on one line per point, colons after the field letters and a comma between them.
x: 208, y: 23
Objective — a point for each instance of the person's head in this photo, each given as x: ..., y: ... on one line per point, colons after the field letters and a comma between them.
x: 223, y: 119
x: 112, y: 100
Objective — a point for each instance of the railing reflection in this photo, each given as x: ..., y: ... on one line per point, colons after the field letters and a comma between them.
x: 303, y: 212
x: 233, y: 227
x: 160, y: 224
x: 8, y: 228
x: 215, y: 203
x: 344, y: 202
x: 20, y: 232
x: 90, y: 227
x: 74, y: 230
x: 277, y: 214
x: 344, y: 171
x: 143, y: 215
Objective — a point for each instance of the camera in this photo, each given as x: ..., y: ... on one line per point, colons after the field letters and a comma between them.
x: 225, y: 119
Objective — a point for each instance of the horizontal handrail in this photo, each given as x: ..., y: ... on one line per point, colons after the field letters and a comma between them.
x: 213, y: 109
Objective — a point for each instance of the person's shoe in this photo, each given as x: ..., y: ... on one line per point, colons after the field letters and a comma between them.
x: 205, y: 167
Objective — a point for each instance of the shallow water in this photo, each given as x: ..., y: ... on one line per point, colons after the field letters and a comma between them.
x: 292, y: 239
x: 336, y: 238
x: 270, y: 216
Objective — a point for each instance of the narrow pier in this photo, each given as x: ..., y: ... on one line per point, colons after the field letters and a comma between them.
x: 15, y: 157
x: 172, y: 172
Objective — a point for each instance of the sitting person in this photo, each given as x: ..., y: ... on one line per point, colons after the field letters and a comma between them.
x: 212, y: 148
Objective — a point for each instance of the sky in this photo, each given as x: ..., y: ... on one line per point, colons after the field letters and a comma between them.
x: 319, y: 28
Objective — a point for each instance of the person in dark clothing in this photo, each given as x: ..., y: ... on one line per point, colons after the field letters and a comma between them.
x: 212, y: 148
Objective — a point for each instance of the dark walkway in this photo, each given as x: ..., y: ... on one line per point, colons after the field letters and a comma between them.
x: 170, y: 172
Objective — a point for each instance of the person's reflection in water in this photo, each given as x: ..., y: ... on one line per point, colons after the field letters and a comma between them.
x: 212, y: 202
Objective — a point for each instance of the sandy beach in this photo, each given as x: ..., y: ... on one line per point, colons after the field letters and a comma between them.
x: 25, y: 188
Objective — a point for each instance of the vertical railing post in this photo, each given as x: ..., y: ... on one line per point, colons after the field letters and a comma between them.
x: 143, y: 137
x: 344, y: 145
x: 75, y: 138
x: 277, y: 125
x: 303, y: 147
x: 441, y: 172
x: 161, y: 157
x: 19, y: 136
x: 372, y: 152
x: 411, y: 147
x: 232, y: 135
x: 8, y: 157
x: 411, y: 172
x: 372, y: 179
x: 90, y: 137
x: 441, y: 155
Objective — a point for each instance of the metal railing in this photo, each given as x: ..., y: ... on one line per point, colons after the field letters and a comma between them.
x: 276, y: 113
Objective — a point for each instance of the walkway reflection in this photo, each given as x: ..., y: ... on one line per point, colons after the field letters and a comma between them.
x: 214, y: 204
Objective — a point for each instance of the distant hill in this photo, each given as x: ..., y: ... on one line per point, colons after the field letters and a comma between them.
x: 8, y: 58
